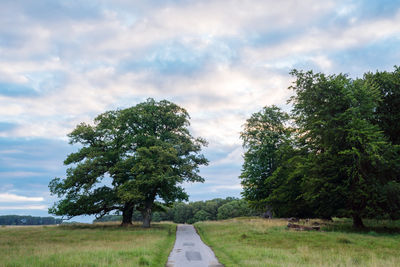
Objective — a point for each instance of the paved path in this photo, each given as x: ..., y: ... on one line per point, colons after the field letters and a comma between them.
x: 190, y: 251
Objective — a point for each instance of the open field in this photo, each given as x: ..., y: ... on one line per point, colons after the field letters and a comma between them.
x: 261, y: 242
x: 86, y: 245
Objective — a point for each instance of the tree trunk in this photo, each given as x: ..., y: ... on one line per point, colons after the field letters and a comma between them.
x: 127, y: 216
x: 357, y: 222
x: 146, y: 213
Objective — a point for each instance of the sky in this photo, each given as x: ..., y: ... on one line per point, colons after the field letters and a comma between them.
x: 64, y: 62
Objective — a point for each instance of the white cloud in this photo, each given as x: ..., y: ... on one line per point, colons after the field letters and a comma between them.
x: 24, y: 207
x: 13, y: 174
x: 89, y: 53
x: 217, y: 188
x: 235, y: 157
x: 317, y: 41
x: 12, y: 198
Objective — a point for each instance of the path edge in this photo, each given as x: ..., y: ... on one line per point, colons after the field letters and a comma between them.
x: 202, y: 240
x: 168, y: 264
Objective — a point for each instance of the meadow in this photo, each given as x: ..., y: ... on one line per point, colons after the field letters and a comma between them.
x: 236, y: 242
x: 86, y: 245
x: 261, y: 242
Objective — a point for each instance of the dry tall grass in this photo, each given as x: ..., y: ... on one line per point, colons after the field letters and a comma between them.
x: 86, y: 245
x: 261, y: 242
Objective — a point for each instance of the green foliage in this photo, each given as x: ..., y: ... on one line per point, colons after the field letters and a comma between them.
x: 27, y: 220
x: 201, y: 215
x: 156, y: 217
x: 235, y: 208
x: 286, y: 198
x: 264, y: 135
x: 269, y: 176
x: 182, y: 213
x: 146, y: 150
x: 340, y: 158
x: 345, y: 149
x: 387, y: 113
x: 210, y: 210
x: 109, y: 218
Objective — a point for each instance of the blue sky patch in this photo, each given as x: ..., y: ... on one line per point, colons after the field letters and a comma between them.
x: 16, y: 90
x: 7, y: 126
x: 179, y: 58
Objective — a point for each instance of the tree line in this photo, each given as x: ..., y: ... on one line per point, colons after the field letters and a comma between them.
x: 27, y: 220
x: 336, y: 153
x: 192, y: 212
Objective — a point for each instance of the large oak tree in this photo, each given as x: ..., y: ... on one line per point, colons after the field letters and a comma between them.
x: 146, y: 150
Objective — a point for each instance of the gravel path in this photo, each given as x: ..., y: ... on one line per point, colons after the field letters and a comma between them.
x: 190, y: 251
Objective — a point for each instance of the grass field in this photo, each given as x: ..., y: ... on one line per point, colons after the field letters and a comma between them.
x: 86, y: 245
x: 261, y: 242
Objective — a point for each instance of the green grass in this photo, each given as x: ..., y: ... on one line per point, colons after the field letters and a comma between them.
x: 261, y: 242
x: 86, y: 245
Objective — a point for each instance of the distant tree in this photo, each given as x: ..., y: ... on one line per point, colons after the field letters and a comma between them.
x: 235, y: 208
x: 109, y: 218
x: 27, y: 220
x: 137, y: 216
x: 146, y: 150
x: 202, y: 210
x: 197, y: 206
x: 211, y: 207
x: 182, y: 212
x: 201, y: 215
x: 156, y: 217
x: 265, y: 134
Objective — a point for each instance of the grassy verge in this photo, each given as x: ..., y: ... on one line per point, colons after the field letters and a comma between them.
x: 260, y: 242
x: 86, y: 245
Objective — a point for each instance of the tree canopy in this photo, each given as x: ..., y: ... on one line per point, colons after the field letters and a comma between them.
x: 341, y: 156
x: 264, y: 135
x: 147, y: 151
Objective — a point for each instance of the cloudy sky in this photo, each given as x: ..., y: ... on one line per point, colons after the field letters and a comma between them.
x: 64, y: 62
